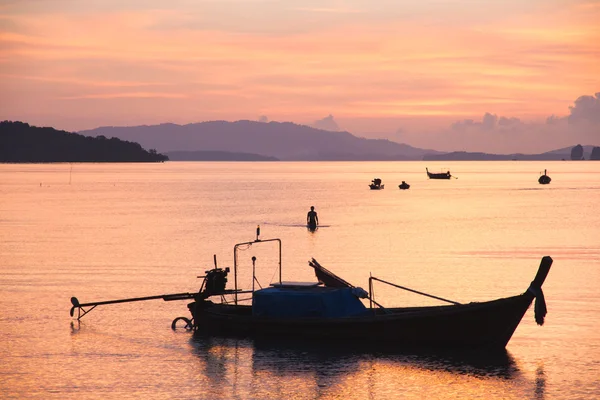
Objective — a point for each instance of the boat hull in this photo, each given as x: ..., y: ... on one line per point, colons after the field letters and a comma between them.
x: 486, y: 324
x: 438, y: 176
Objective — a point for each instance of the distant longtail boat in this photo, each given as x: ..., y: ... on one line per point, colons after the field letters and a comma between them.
x: 441, y: 175
x: 544, y: 179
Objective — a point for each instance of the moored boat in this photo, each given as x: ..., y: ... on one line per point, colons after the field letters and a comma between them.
x: 332, y: 309
x: 376, y: 184
x: 544, y: 179
x: 441, y: 175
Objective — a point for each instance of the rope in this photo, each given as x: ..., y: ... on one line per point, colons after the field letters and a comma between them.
x: 540, y: 304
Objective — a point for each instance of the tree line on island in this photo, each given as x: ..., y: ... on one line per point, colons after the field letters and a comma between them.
x: 23, y: 143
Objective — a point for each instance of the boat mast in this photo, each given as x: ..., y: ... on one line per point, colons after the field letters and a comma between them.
x: 257, y: 240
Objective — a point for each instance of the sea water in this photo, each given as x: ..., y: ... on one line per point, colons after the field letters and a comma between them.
x: 113, y: 231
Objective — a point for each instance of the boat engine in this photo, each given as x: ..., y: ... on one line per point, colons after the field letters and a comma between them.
x: 214, y: 282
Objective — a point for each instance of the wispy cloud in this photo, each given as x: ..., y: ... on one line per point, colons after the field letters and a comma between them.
x: 82, y: 82
x: 330, y: 10
x: 298, y: 60
x: 126, y: 95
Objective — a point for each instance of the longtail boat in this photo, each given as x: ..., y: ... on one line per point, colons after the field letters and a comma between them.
x: 440, y: 175
x: 376, y: 184
x: 544, y: 179
x: 332, y: 309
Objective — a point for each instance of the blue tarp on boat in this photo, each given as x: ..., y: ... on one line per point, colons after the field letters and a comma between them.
x: 319, y: 301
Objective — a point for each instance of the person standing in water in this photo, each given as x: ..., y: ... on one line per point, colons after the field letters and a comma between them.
x: 311, y: 219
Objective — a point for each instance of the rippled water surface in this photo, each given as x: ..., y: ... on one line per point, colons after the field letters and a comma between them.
x: 110, y: 231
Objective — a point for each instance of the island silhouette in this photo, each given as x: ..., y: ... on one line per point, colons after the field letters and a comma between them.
x: 23, y: 143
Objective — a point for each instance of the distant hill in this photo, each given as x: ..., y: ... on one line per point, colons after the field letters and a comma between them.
x: 467, y: 156
x: 22, y: 143
x: 565, y: 152
x: 215, y: 156
x: 283, y: 140
x: 559, y: 154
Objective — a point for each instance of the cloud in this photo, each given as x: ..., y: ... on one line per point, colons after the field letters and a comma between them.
x: 398, y: 136
x: 509, y: 121
x: 585, y: 109
x: 465, y: 124
x: 505, y: 134
x: 554, y: 120
x: 330, y: 10
x: 142, y: 95
x: 327, y: 124
x: 489, y: 122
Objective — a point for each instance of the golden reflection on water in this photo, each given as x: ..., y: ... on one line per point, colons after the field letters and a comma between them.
x: 302, y: 370
x: 540, y: 382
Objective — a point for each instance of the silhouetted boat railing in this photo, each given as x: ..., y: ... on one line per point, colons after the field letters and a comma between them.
x: 372, y: 278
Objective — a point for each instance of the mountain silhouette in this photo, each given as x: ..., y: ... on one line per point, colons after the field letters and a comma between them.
x: 558, y: 154
x: 283, y: 140
x: 216, y: 156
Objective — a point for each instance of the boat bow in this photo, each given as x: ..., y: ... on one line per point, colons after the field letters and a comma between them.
x: 536, y: 290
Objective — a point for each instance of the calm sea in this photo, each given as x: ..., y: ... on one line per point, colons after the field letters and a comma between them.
x: 111, y: 231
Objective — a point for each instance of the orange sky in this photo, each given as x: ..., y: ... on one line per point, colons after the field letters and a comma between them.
x: 376, y: 66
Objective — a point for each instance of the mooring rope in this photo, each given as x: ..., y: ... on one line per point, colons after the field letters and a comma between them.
x: 540, y: 304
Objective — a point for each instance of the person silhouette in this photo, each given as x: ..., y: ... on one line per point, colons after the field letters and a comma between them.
x: 311, y: 219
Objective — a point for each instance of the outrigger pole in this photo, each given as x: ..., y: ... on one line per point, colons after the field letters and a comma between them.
x: 213, y: 284
x: 166, y: 297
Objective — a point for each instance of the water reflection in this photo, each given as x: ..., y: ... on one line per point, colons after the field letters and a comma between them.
x: 219, y: 362
x: 540, y: 382
x: 497, y: 364
x: 327, y: 363
x: 75, y: 327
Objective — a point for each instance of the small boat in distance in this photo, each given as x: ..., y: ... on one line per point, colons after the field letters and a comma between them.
x: 544, y: 179
x: 404, y: 185
x: 376, y: 184
x: 441, y: 175
x: 331, y: 310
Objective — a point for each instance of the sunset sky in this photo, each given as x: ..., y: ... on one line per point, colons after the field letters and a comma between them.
x: 421, y: 72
